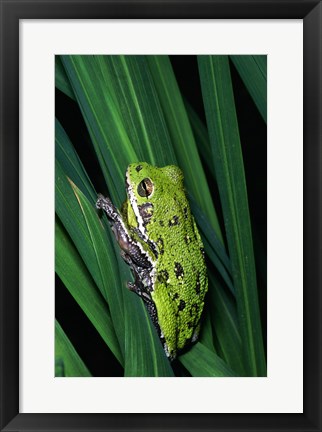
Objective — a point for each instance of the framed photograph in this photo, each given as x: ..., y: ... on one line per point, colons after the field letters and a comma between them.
x: 160, y: 215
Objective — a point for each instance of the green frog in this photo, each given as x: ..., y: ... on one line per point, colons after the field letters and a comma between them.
x: 159, y: 240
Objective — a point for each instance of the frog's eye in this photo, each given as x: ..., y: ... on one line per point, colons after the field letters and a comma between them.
x: 145, y: 187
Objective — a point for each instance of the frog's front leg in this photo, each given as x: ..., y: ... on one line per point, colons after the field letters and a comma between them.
x: 126, y: 243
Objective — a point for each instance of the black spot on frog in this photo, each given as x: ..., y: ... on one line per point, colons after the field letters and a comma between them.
x: 160, y: 245
x: 182, y: 305
x: 174, y: 221
x: 178, y: 270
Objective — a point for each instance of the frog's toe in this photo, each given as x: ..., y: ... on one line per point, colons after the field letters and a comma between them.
x: 100, y: 200
x: 133, y: 287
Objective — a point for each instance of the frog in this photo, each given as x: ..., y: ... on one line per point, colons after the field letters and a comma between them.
x: 160, y: 241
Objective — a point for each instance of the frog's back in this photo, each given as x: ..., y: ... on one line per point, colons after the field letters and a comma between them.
x: 181, y: 276
x: 160, y: 217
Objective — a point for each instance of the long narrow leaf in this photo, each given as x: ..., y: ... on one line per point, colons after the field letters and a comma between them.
x: 208, y: 363
x: 129, y: 80
x: 61, y: 79
x: 81, y: 221
x: 252, y: 70
x: 71, y: 164
x: 206, y: 336
x: 72, y: 271
x: 227, y: 156
x: 227, y: 338
x: 201, y: 136
x: 70, y: 214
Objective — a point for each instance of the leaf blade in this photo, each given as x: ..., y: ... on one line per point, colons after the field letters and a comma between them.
x: 253, y: 71
x: 202, y: 362
x: 227, y: 157
x: 70, y: 162
x: 76, y: 278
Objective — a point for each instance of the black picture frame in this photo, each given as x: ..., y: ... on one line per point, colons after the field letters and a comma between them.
x: 14, y: 10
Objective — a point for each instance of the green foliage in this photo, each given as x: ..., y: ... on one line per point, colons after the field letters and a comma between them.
x: 228, y: 163
x: 134, y: 111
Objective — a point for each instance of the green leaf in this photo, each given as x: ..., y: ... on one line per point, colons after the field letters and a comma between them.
x: 70, y: 213
x: 67, y: 361
x: 253, y: 71
x: 129, y: 80
x: 73, y: 168
x: 201, y: 137
x: 72, y: 271
x: 61, y: 79
x: 227, y: 157
x: 106, y: 265
x: 227, y: 339
x: 71, y: 164
x: 202, y: 362
x: 81, y: 221
x: 206, y: 336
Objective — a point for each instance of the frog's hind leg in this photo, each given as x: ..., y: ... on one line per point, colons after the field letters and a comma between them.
x: 152, y: 311
x: 139, y: 289
x: 144, y: 292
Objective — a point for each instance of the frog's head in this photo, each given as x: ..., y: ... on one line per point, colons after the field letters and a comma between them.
x: 145, y: 182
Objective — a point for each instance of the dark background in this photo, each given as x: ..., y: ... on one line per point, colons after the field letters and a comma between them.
x: 253, y: 134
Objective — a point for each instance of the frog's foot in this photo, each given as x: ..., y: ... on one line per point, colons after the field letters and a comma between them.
x: 101, y: 200
x: 139, y: 289
x: 126, y: 258
x: 134, y: 288
x: 195, y: 335
x: 135, y: 255
x: 106, y: 204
